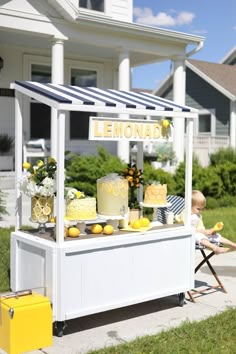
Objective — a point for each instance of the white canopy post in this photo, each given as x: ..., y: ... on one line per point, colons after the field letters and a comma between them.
x: 179, y: 97
x: 124, y: 84
x: 57, y: 78
x: 60, y: 204
x: 18, y: 156
x: 188, y: 171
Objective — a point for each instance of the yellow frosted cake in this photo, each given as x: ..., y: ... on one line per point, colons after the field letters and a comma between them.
x: 112, y: 195
x: 155, y: 194
x: 81, y: 209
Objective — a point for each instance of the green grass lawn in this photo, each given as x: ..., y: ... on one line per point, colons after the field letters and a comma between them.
x: 215, y: 335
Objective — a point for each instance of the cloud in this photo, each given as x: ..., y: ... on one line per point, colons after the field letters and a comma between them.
x: 146, y: 17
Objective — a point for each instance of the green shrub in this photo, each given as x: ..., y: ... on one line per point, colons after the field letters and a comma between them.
x: 222, y: 155
x: 212, y: 203
x: 82, y: 172
x: 227, y: 174
x: 5, y: 259
x: 204, y: 179
x: 3, y: 210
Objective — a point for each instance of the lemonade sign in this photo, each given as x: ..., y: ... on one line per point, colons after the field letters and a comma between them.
x: 102, y: 128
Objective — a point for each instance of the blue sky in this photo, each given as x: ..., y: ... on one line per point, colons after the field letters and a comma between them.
x: 213, y: 19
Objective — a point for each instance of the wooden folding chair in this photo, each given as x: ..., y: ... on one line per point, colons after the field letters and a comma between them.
x: 177, y: 205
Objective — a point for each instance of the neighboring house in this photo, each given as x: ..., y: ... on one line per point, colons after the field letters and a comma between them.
x: 211, y: 88
x: 84, y: 43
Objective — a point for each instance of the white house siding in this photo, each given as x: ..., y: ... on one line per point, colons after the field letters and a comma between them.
x: 17, y: 63
x: 122, y: 10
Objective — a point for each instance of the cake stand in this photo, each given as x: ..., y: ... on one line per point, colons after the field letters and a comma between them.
x: 155, y: 208
x: 81, y: 224
x: 114, y: 220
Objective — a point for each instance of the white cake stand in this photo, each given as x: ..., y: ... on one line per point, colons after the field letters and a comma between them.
x: 81, y: 224
x: 113, y: 219
x: 155, y: 208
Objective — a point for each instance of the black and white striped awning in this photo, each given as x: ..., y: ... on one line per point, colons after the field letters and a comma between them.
x: 92, y: 99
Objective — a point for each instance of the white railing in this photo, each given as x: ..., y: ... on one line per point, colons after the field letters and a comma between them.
x: 203, y: 146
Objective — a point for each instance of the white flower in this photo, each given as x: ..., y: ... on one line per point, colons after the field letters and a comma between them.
x: 71, y: 194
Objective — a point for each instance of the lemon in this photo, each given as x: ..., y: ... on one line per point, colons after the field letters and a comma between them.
x: 53, y: 220
x: 144, y: 222
x: 165, y: 123
x: 108, y: 230
x: 218, y: 226
x: 135, y: 224
x: 26, y: 165
x: 73, y: 232
x: 96, y: 229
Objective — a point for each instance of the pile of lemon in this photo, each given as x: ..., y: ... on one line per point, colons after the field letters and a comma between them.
x: 139, y: 223
x: 98, y: 229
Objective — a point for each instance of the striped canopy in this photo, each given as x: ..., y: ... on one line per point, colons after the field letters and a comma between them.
x: 92, y: 99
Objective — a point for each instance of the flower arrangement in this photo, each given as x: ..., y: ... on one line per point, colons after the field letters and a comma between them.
x: 135, y: 179
x: 73, y: 193
x: 39, y: 179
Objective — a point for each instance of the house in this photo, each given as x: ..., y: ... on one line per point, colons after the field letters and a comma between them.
x: 210, y: 87
x: 84, y: 43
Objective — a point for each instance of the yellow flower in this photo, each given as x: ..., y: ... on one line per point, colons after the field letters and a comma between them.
x: 78, y: 194
x: 51, y: 160
x: 26, y: 165
x: 40, y: 163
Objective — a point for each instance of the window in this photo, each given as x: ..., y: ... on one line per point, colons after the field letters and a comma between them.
x: 206, y: 122
x: 39, y: 112
x: 79, y: 121
x: 97, y: 5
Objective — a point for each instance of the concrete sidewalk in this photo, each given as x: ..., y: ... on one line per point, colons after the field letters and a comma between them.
x: 122, y: 325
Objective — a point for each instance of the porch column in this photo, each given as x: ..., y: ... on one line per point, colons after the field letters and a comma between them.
x: 179, y: 82
x: 57, y: 78
x: 232, y: 128
x: 123, y: 84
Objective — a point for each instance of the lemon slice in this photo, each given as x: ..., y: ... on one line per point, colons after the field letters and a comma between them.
x: 116, y: 191
x: 47, y: 210
x: 37, y: 210
x: 33, y: 218
x: 42, y: 201
x: 42, y: 218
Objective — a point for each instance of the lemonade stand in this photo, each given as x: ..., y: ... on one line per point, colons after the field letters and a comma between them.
x: 92, y: 274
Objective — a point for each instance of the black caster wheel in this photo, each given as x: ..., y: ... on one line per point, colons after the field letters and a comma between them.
x: 181, y: 297
x: 59, y: 328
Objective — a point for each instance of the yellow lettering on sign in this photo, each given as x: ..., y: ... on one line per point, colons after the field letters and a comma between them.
x: 138, y: 130
x: 107, y: 129
x: 126, y: 129
x: 156, y: 131
x: 96, y: 129
x: 117, y: 129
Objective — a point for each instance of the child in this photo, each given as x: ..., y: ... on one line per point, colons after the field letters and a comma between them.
x: 206, y: 237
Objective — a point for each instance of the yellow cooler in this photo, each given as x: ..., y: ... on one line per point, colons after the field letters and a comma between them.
x: 25, y: 322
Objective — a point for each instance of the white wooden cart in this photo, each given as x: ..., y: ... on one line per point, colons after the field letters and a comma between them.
x: 94, y: 274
